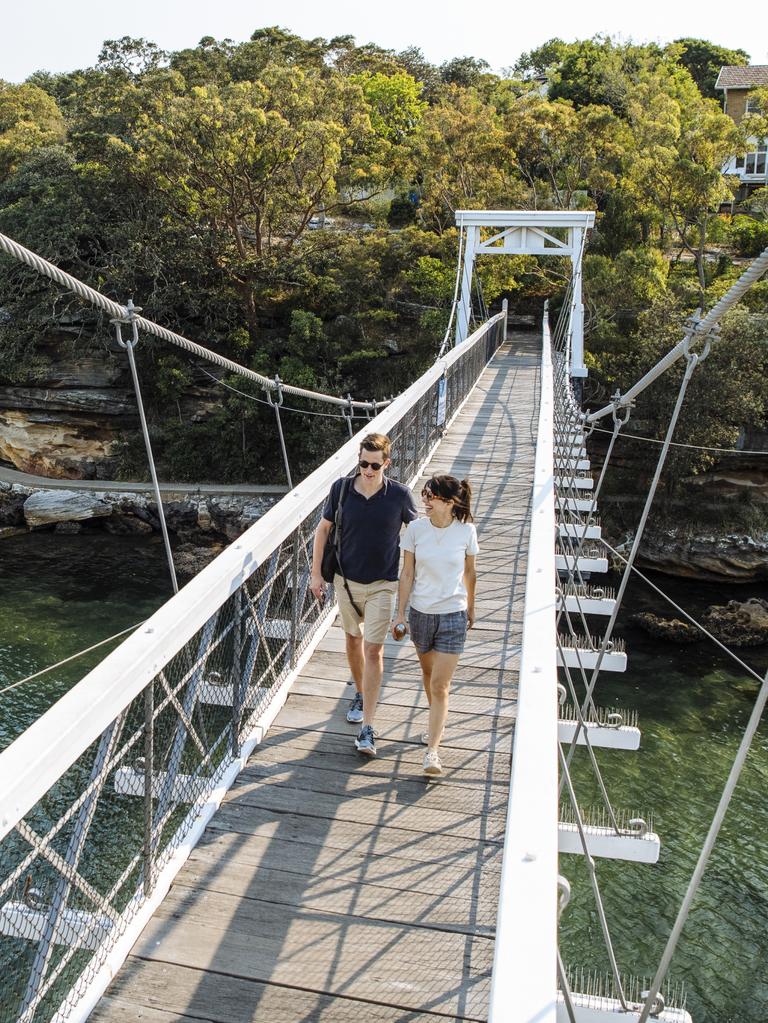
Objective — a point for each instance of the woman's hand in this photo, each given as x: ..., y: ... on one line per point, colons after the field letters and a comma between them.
x: 470, y: 615
x: 399, y: 628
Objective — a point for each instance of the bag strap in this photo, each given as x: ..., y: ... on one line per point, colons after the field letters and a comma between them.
x: 337, y: 538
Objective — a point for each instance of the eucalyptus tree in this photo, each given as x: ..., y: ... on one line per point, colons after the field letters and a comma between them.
x: 673, y: 169
x: 29, y: 119
x: 247, y: 165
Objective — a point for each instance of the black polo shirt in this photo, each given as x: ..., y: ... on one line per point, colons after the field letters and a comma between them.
x: 370, y: 529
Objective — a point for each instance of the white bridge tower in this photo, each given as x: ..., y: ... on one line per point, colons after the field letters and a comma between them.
x: 526, y: 233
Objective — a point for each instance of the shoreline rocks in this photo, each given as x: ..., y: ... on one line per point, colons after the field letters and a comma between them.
x: 734, y: 558
x: 205, y: 517
x: 737, y: 624
x: 671, y: 629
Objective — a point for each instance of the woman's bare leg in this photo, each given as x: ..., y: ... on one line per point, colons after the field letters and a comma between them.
x: 443, y: 667
x: 426, y: 661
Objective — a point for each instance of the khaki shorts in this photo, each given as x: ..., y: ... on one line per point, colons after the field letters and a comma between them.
x: 376, y: 600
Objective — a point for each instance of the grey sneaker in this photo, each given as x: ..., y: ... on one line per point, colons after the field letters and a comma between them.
x: 355, y: 712
x: 364, y: 742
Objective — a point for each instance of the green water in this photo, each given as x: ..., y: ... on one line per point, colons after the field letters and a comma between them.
x: 693, y: 705
x: 59, y: 594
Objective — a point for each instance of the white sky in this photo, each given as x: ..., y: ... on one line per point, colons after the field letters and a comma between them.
x: 61, y: 35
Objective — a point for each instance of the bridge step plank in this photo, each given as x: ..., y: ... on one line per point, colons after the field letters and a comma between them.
x: 352, y: 956
x: 401, y: 788
x: 406, y: 695
x: 166, y: 992
x: 311, y: 750
x: 344, y: 889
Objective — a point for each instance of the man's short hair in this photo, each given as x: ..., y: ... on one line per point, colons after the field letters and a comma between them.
x: 377, y: 442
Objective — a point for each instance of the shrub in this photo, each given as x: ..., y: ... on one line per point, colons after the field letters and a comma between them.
x: 749, y: 236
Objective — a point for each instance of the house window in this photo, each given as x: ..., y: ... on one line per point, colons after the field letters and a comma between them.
x: 753, y: 105
x: 754, y: 163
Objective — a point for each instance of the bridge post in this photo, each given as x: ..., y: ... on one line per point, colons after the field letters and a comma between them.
x: 464, y: 313
x: 578, y: 369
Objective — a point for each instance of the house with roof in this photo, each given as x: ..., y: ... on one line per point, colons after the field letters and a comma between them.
x: 738, y: 84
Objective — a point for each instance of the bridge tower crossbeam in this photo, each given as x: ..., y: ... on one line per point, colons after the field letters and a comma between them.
x: 528, y: 233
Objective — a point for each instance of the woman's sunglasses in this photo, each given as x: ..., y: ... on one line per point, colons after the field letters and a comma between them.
x: 426, y: 492
x: 370, y: 465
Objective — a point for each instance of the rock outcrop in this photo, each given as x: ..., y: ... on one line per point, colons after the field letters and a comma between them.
x: 739, y: 623
x: 671, y: 629
x: 47, y: 507
x: 212, y: 519
x: 732, y: 558
x: 65, y: 422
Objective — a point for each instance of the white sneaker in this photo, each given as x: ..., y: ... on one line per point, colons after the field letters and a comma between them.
x: 432, y: 765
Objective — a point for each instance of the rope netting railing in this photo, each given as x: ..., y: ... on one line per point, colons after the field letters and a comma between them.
x: 104, y: 795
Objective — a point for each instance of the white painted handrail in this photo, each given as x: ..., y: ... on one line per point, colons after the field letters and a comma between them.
x: 523, y: 985
x: 32, y: 764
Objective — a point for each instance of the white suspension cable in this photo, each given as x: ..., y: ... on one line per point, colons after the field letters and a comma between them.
x: 706, y: 849
x: 117, y: 311
x: 693, y: 360
x: 129, y: 346
x: 284, y: 408
x: 72, y: 657
x: 455, y: 302
x: 701, y: 328
x: 692, y: 447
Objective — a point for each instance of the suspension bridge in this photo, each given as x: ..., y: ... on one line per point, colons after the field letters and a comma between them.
x: 188, y: 832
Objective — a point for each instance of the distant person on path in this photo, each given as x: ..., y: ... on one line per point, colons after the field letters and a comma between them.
x: 438, y: 576
x: 374, y: 511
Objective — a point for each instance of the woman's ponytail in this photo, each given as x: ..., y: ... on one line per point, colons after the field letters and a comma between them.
x: 462, y: 507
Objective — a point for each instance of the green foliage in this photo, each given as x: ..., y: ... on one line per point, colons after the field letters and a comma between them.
x: 703, y: 61
x: 29, y: 120
x: 431, y: 280
x: 749, y: 236
x: 194, y: 181
x: 393, y: 104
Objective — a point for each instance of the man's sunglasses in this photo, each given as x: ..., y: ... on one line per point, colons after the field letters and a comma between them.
x: 370, y: 465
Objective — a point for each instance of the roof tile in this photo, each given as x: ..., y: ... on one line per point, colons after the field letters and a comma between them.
x: 735, y: 76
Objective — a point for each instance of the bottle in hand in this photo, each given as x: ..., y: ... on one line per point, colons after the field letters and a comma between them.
x: 400, y: 631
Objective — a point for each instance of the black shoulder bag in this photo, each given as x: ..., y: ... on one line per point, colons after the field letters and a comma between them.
x: 330, y: 564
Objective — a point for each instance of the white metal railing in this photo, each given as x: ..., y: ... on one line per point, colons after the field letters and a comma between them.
x: 143, y: 749
x: 524, y: 981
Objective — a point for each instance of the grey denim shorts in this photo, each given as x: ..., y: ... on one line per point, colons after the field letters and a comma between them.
x: 444, y: 633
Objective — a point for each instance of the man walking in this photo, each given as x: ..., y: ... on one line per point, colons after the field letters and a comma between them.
x: 375, y: 509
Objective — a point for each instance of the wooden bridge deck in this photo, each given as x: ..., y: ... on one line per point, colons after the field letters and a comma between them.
x: 333, y: 888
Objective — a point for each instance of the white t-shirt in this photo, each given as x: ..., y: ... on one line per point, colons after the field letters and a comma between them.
x: 438, y: 586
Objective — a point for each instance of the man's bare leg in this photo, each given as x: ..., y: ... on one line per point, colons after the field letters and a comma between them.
x: 372, y: 674
x: 355, y: 659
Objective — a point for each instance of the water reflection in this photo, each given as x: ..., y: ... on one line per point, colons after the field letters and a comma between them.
x: 60, y: 594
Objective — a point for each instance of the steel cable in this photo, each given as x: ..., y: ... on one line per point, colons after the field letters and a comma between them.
x: 120, y: 312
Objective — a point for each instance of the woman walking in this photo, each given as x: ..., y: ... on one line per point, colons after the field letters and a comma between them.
x: 438, y: 575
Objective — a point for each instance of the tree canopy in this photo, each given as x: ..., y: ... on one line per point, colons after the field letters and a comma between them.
x: 291, y: 202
